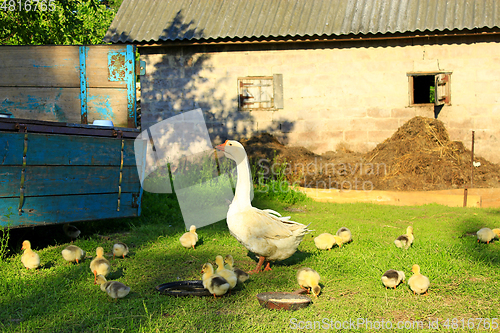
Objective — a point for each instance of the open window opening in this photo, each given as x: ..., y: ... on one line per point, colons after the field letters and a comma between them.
x: 429, y: 88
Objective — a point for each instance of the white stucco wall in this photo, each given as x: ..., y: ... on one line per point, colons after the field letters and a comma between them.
x: 347, y: 92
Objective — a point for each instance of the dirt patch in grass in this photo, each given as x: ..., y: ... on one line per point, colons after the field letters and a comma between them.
x: 418, y: 156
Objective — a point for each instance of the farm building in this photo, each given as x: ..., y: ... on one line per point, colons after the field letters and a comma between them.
x: 320, y: 73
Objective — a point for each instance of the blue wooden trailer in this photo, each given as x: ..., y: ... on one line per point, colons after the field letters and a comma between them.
x: 55, y: 166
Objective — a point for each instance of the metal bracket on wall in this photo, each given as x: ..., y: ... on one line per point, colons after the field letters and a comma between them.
x: 140, y: 67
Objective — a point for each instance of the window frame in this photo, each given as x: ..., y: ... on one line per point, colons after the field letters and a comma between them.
x: 442, y: 90
x: 276, y: 85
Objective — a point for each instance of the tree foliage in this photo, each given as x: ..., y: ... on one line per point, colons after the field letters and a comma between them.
x: 61, y: 22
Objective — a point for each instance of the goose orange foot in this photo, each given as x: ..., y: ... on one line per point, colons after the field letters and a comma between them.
x: 259, y: 265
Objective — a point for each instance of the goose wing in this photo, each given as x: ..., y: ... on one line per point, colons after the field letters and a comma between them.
x: 270, y: 226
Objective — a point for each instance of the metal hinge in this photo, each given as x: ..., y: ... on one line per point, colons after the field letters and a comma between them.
x: 118, y: 134
x: 135, y: 200
x: 140, y: 67
x: 23, y: 128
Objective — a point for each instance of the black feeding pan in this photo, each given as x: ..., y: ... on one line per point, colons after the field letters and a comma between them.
x: 283, y: 301
x: 183, y: 288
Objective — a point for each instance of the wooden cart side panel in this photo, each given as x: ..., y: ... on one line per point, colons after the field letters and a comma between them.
x: 53, y: 149
x: 75, y: 83
x: 61, y: 209
x: 102, y: 103
x: 39, y: 66
x: 67, y: 180
x: 50, y: 104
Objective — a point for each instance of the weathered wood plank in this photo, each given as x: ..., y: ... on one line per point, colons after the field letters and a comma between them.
x: 53, y: 149
x: 108, y: 104
x: 50, y: 104
x: 39, y: 66
x: 396, y: 198
x: 67, y: 180
x: 61, y: 209
x: 98, y: 74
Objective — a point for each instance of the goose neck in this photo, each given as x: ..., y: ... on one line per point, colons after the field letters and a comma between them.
x: 243, y: 184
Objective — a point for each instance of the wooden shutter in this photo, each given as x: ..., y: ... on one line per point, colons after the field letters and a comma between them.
x: 442, y: 89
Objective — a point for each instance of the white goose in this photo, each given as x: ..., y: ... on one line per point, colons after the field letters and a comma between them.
x: 263, y: 232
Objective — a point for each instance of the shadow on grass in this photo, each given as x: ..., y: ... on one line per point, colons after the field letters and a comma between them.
x: 61, y: 296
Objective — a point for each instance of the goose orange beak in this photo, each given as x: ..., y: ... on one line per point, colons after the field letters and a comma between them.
x: 221, y: 146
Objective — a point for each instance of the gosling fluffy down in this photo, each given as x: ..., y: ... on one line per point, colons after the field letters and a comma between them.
x: 100, y: 265
x: 405, y: 241
x: 73, y: 253
x: 241, y: 275
x: 30, y: 259
x: 392, y: 278
x: 345, y: 234
x: 308, y: 278
x: 486, y: 235
x: 114, y: 289
x: 120, y: 250
x: 324, y: 241
x: 227, y: 274
x: 418, y: 283
x: 215, y: 283
x: 190, y: 238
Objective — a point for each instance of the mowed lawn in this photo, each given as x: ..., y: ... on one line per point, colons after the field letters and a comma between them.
x: 464, y: 275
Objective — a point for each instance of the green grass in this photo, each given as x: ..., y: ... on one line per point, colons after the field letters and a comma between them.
x: 61, y: 297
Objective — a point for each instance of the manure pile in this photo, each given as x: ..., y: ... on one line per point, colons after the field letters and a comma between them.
x: 418, y: 156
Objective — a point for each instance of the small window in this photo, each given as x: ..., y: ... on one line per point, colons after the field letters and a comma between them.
x: 429, y: 88
x: 260, y: 92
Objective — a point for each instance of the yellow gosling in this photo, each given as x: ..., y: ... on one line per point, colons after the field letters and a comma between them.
x: 100, y: 265
x: 215, y: 284
x: 240, y: 274
x: 309, y: 279
x: 30, y: 259
x: 325, y: 241
x: 120, y: 250
x: 73, y: 253
x: 114, y: 289
x: 418, y: 282
x: 338, y: 240
x: 345, y: 234
x: 392, y: 278
x: 486, y: 235
x: 405, y: 241
x: 190, y: 238
x: 227, y: 274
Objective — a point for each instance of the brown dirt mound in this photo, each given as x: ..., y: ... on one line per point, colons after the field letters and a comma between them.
x: 418, y: 156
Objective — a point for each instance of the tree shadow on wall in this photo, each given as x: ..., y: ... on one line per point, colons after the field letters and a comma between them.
x: 182, y: 78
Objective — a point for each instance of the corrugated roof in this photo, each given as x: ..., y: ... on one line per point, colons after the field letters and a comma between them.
x: 169, y: 20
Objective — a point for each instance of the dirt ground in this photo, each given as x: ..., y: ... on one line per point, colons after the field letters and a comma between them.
x: 418, y: 156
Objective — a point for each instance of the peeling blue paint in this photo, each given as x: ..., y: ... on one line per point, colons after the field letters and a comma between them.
x: 36, y: 104
x: 102, y: 106
x: 131, y: 91
x: 117, y: 69
x: 36, y: 65
x: 83, y: 51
